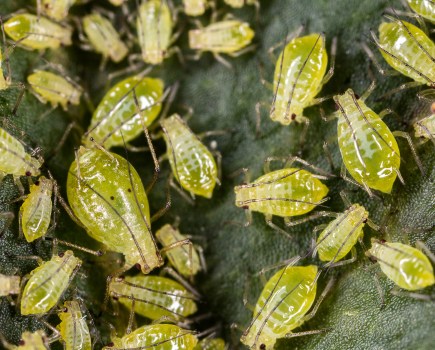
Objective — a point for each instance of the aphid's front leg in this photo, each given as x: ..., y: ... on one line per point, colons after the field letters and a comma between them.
x: 8, y: 217
x: 222, y: 60
x: 270, y: 223
x: 412, y: 147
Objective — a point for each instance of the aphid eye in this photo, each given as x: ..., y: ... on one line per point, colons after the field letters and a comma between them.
x: 61, y: 255
x: 336, y: 107
x: 110, y: 344
x: 293, y: 116
x: 37, y: 183
x: 112, y: 198
x: 115, y: 298
x: 365, y: 220
x: 100, y: 253
x: 357, y: 96
x: 382, y: 241
x: 129, y: 190
x: 65, y: 309
x: 246, y: 207
x: 28, y: 173
x: 262, y: 346
x: 21, y: 342
x: 137, y: 266
x: 372, y: 259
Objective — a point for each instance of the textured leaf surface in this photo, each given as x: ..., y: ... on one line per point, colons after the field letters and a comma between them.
x: 225, y: 99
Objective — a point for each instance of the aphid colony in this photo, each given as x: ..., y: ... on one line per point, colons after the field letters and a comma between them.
x: 107, y: 198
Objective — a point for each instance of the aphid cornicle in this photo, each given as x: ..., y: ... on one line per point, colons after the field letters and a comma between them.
x: 154, y: 29
x: 408, y: 50
x: 406, y: 266
x: 192, y: 163
x: 107, y: 195
x: 156, y: 336
x: 35, y: 212
x: 154, y: 296
x: 9, y: 285
x: 367, y: 146
x: 282, y: 306
x: 299, y: 76
x: 56, y: 9
x: 184, y: 259
x: 230, y: 37
x: 55, y: 89
x: 195, y: 7
x: 118, y: 117
x: 73, y: 329
x: 37, y: 33
x: 104, y: 38
x: 48, y: 282
x: 425, y: 8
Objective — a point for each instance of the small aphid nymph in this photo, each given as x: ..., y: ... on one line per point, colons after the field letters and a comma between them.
x: 9, y: 285
x: 56, y: 9
x: 425, y: 8
x: 195, y: 7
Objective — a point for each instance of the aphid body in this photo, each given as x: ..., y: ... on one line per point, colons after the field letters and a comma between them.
x: 14, y: 159
x: 240, y: 3
x: 48, y: 282
x: 285, y: 192
x: 154, y: 29
x: 298, y: 77
x: 35, y: 212
x: 425, y: 128
x: 9, y: 285
x: 156, y: 337
x: 221, y: 37
x: 107, y: 195
x: 118, y: 118
x: 368, y: 148
x: 406, y: 266
x: 192, y: 163
x: 56, y: 9
x: 341, y: 234
x: 184, y: 260
x: 282, y: 305
x: 195, y: 7
x: 408, y: 50
x: 37, y: 33
x: 211, y: 344
x: 53, y: 88
x: 73, y: 328
x: 154, y: 296
x: 104, y: 38
x: 425, y: 8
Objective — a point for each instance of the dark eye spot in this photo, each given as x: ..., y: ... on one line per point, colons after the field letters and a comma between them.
x: 37, y: 183
x: 293, y: 116
x: 28, y: 173
x: 112, y: 198
x: 365, y: 220
x: 336, y: 107
x: 245, y: 207
x: 115, y: 298
x: 129, y: 190
x: 138, y: 266
x: 61, y: 255
x: 357, y: 96
x: 65, y: 309
x: 110, y: 344
x: 262, y: 346
x: 382, y: 241
x: 21, y: 342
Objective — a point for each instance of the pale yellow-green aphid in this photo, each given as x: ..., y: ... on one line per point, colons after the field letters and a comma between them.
x: 9, y: 285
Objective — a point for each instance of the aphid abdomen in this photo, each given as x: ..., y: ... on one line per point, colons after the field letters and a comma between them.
x: 425, y: 128
x: 406, y: 266
x: 192, y: 163
x: 156, y: 337
x: 9, y: 285
x: 425, y: 8
x: 299, y: 79
x: 108, y: 197
x: 284, y: 301
x: 154, y: 296
x: 286, y: 192
x: 180, y: 256
x: 73, y: 328
x: 341, y: 234
x: 103, y: 37
x: 395, y: 39
x: 116, y: 119
x: 14, y: 159
x: 56, y: 9
x: 368, y: 148
x: 47, y: 283
x: 154, y: 29
x: 35, y: 213
x: 37, y: 33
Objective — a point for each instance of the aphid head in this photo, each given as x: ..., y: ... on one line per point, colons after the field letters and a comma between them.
x: 195, y: 39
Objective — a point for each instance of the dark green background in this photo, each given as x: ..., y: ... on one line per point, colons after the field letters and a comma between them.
x: 225, y: 99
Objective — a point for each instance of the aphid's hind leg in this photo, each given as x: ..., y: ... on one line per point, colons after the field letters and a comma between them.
x: 258, y: 105
x: 303, y: 134
x: 405, y: 86
x: 55, y: 336
x: 412, y: 147
x: 427, y: 95
x: 243, y: 51
x: 292, y: 159
x: 270, y: 223
x: 300, y: 334
x: 8, y: 217
x: 180, y: 191
x: 19, y: 184
x: 423, y: 247
x: 289, y: 262
x: 164, y: 210
x: 71, y: 126
x: 343, y: 175
x: 222, y: 60
x: 372, y: 57
x: 401, y: 293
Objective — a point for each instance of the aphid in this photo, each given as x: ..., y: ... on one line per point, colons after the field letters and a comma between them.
x: 48, y: 282
x: 35, y: 212
x: 53, y: 88
x: 192, y: 163
x: 299, y: 76
x: 37, y: 33
x: 211, y: 344
x: 406, y: 266
x: 367, y: 146
x: 118, y: 118
x: 156, y: 336
x: 184, y: 259
x: 408, y: 50
x: 425, y: 128
x: 116, y: 2
x: 73, y: 328
x: 195, y: 7
x: 104, y: 38
x: 56, y: 9
x: 153, y: 296
x: 154, y: 29
x: 283, y: 305
x: 107, y: 195
x: 9, y: 285
x: 230, y: 37
x: 425, y: 8
x: 241, y: 3
x: 286, y: 193
x: 30, y: 341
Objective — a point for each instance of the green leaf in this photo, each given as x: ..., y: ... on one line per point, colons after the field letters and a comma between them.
x: 224, y: 99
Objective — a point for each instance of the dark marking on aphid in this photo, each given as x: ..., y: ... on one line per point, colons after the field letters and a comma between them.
x: 21, y: 342
x: 365, y: 220
x: 129, y: 190
x: 293, y: 116
x: 262, y: 346
x: 37, y: 183
x: 246, y: 207
x: 61, y: 255
x: 137, y: 266
x: 28, y: 173
x: 115, y: 298
x: 357, y: 96
x: 110, y: 344
x: 112, y: 198
x: 382, y: 241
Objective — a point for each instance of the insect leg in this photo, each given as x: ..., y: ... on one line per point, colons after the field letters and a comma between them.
x: 401, y: 293
x: 8, y: 217
x: 170, y: 271
x: 405, y: 86
x: 428, y: 95
x: 343, y: 262
x: 270, y: 223
x: 300, y: 334
x: 19, y: 184
x: 343, y: 175
x: 245, y: 299
x: 243, y: 51
x: 372, y: 57
x: 163, y: 211
x: 180, y: 244
x: 131, y: 317
x: 222, y: 60
x: 319, y: 214
x: 55, y: 335
x: 288, y: 262
x: 292, y: 159
x: 423, y: 247
x: 180, y: 191
x: 412, y: 147
x: 319, y: 301
x: 330, y: 73
x: 258, y: 105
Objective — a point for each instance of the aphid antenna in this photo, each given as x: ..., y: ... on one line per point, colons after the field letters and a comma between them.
x: 101, y: 148
x: 287, y: 263
x: 57, y: 241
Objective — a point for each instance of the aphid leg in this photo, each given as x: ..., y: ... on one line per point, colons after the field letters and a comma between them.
x: 423, y: 247
x: 222, y: 60
x: 427, y: 95
x: 401, y: 293
x: 289, y: 37
x: 248, y: 216
x: 289, y: 222
x: 327, y: 118
x: 61, y: 142
x: 372, y: 57
x: 368, y: 92
x: 322, y: 296
x: 19, y: 184
x: 202, y: 260
x: 180, y: 244
x: 300, y: 334
x: 7, y: 217
x: 6, y: 344
x: 303, y: 134
x: 263, y: 80
x: 405, y: 86
x: 351, y: 260
x: 242, y: 51
x: 330, y: 72
x: 412, y: 147
x: 174, y: 274
x: 343, y: 175
x: 180, y: 191
x: 55, y: 332
x: 57, y: 241
x: 270, y: 223
x: 245, y: 299
x: 292, y: 159
x: 131, y: 319
x: 164, y: 210
x: 258, y: 105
